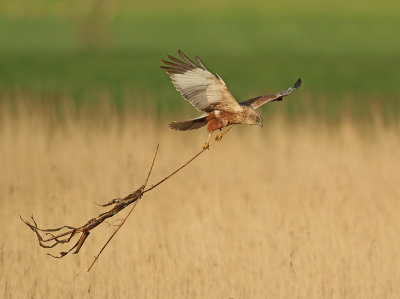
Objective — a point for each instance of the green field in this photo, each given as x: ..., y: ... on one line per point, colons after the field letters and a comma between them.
x: 346, y: 52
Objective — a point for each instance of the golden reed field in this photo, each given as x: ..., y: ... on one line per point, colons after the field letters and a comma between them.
x: 298, y: 209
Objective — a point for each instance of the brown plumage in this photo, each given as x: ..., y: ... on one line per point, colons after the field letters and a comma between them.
x: 208, y: 93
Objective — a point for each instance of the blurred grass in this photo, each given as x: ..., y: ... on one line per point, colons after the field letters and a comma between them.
x: 345, y: 51
x: 288, y: 211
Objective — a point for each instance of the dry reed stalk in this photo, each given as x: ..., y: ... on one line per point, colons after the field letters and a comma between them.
x: 51, y: 237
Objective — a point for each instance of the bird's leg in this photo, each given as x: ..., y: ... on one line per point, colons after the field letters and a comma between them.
x: 219, y: 136
x: 207, y: 144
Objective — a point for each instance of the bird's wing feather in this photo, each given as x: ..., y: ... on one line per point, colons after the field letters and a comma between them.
x: 204, y: 90
x: 258, y: 101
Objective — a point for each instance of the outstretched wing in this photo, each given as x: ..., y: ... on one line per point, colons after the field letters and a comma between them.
x: 258, y: 101
x: 204, y: 90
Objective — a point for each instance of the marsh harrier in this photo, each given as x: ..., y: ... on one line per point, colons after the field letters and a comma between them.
x: 208, y: 93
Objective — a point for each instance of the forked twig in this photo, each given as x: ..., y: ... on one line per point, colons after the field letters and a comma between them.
x: 126, y: 217
x: 51, y: 237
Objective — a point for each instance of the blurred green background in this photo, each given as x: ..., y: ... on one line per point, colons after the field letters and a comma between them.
x: 346, y: 52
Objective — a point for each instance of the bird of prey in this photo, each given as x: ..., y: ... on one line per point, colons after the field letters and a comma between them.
x: 208, y: 93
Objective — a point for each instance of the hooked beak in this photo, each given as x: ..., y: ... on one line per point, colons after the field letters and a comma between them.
x: 261, y: 125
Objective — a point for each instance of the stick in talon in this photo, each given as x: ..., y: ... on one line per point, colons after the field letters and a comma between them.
x: 219, y: 137
x: 207, y: 144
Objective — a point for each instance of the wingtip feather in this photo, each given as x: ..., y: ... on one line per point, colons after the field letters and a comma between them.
x: 201, y: 63
x: 187, y: 59
x: 297, y: 84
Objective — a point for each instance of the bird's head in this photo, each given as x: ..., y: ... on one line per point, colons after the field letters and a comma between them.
x: 254, y: 118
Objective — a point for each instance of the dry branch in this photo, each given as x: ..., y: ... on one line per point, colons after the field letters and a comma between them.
x: 51, y: 237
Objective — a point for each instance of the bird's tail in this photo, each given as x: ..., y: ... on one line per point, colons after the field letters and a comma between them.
x: 189, y: 124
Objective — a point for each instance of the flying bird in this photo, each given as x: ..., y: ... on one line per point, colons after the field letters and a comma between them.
x: 207, y: 92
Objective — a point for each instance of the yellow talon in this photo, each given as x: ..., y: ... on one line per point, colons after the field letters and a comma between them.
x: 206, y: 146
x: 218, y: 138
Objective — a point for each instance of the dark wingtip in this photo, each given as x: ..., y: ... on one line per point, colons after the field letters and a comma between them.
x: 172, y: 125
x: 162, y: 66
x: 297, y: 84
